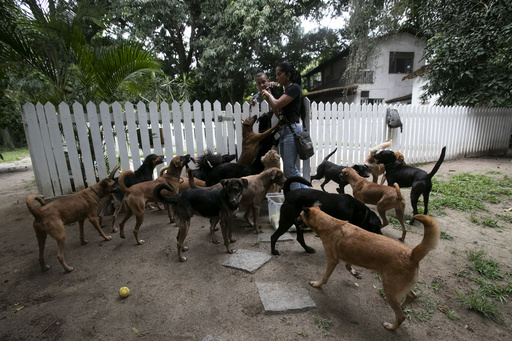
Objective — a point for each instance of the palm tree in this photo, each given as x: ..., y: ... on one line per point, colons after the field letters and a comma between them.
x: 53, y: 43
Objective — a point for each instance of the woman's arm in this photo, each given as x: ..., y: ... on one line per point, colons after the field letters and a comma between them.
x: 277, y: 104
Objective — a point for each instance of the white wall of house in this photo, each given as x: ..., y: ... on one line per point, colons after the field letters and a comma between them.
x: 387, y: 85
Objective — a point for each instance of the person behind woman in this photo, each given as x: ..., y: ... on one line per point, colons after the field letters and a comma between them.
x: 287, y: 107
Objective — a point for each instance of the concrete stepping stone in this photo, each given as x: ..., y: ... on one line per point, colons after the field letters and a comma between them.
x: 247, y: 260
x: 265, y: 237
x: 280, y: 299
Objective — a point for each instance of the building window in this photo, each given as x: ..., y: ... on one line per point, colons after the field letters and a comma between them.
x: 373, y: 101
x: 401, y: 62
x: 315, y: 80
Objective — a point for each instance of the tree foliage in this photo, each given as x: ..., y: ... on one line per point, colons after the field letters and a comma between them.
x: 468, y: 49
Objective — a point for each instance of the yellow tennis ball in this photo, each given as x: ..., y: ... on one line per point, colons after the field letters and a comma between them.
x: 124, y: 292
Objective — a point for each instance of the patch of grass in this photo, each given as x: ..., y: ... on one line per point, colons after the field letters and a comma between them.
x: 468, y: 192
x: 504, y: 217
x: 11, y: 155
x: 480, y: 303
x: 489, y: 222
x: 485, y: 267
x: 474, y: 219
x: 436, y: 286
x: 422, y: 315
x: 322, y: 323
x: 303, y: 334
x: 485, y: 273
x: 448, y: 312
x: 446, y: 236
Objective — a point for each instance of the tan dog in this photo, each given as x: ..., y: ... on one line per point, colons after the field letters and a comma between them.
x: 397, y: 263
x: 258, y: 186
x: 270, y: 160
x: 137, y: 195
x: 252, y: 196
x: 374, y: 168
x: 50, y: 218
x: 384, y: 197
x: 251, y: 140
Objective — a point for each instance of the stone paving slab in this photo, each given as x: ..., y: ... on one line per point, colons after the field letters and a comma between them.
x: 265, y: 237
x: 280, y: 299
x: 247, y: 260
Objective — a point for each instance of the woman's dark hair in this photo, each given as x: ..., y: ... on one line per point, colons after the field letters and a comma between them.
x: 288, y: 67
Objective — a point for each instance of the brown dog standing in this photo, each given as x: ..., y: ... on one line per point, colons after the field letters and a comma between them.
x: 395, y: 262
x: 251, y: 141
x: 137, y: 195
x: 270, y: 160
x: 51, y: 218
x: 255, y: 193
x: 384, y: 197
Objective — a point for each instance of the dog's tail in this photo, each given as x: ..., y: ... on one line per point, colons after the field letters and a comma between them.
x: 398, y: 192
x: 160, y: 198
x: 36, y: 211
x: 328, y: 156
x: 378, y: 147
x: 121, y: 179
x: 163, y: 170
x: 430, y: 237
x: 438, y: 164
x: 288, y: 182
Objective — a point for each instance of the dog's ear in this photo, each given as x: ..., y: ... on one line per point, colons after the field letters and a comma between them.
x: 245, y: 183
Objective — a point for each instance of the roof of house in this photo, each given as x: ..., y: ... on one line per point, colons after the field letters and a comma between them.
x: 418, y: 73
x: 400, y: 99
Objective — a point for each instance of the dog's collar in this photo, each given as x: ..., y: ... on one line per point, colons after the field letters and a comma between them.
x: 174, y: 175
x: 95, y: 192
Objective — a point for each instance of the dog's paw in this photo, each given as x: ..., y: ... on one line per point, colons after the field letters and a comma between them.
x: 122, y: 235
x: 108, y: 238
x: 232, y: 240
x: 231, y: 251
x: 114, y: 229
x: 140, y: 242
x: 69, y: 269
x: 316, y: 284
x: 184, y: 249
x: 275, y: 253
x: 45, y: 268
x: 183, y: 259
x: 215, y: 241
x: 388, y: 326
x: 83, y: 242
x: 310, y: 250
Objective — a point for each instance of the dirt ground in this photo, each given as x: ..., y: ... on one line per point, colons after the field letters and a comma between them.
x: 188, y: 301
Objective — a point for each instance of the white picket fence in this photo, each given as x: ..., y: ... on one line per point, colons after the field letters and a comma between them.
x: 72, y: 148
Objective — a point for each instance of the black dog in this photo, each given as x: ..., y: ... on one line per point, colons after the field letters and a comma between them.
x: 340, y: 206
x: 332, y: 171
x: 210, y: 160
x: 220, y: 204
x: 143, y: 173
x: 212, y: 173
x: 409, y: 176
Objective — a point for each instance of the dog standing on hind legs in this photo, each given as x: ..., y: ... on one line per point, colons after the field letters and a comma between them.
x: 396, y: 262
x: 50, y: 218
